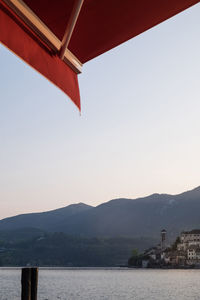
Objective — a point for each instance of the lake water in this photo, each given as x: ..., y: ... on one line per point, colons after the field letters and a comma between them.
x: 101, y: 284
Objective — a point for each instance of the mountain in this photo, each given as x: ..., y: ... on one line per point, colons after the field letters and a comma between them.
x: 59, y: 249
x: 120, y: 217
x: 44, y: 220
x: 19, y: 235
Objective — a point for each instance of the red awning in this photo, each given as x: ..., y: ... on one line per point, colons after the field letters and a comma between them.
x: 57, y: 37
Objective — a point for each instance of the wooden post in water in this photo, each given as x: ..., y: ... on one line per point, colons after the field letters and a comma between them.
x: 34, y: 283
x: 26, y: 284
x: 29, y: 282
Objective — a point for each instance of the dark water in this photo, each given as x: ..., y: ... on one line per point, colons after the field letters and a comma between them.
x: 106, y: 284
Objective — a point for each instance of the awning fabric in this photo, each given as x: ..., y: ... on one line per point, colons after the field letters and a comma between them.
x: 101, y: 25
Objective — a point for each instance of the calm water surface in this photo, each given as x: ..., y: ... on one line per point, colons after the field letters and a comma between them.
x: 106, y: 284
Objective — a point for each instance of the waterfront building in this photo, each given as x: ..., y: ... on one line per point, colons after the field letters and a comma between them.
x: 185, y: 252
x: 193, y: 255
x: 189, y: 238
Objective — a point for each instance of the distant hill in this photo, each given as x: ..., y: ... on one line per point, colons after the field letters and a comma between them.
x: 44, y: 220
x: 120, y: 217
x: 19, y: 235
x: 59, y: 249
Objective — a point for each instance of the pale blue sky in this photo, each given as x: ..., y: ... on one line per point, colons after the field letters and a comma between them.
x: 139, y: 132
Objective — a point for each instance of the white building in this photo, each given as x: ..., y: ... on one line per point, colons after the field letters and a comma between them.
x: 189, y: 238
x: 193, y: 253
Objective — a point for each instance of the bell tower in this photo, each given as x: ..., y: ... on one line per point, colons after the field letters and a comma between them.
x: 163, y: 239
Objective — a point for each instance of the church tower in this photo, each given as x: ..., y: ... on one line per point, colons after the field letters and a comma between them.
x: 163, y: 239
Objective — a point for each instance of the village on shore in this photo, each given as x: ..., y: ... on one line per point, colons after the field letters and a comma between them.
x: 183, y: 253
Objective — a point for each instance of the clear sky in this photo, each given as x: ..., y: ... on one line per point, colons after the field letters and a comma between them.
x: 139, y: 131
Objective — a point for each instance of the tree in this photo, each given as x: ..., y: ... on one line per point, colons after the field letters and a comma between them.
x: 135, y: 252
x: 177, y: 241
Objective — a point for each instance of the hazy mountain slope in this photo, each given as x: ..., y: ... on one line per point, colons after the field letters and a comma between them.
x: 122, y: 217
x: 45, y: 220
x: 140, y: 217
x: 58, y: 249
x: 18, y: 235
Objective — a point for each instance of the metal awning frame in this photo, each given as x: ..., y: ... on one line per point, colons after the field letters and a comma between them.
x: 46, y: 35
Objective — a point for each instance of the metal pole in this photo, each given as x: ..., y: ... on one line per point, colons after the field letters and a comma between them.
x: 70, y: 26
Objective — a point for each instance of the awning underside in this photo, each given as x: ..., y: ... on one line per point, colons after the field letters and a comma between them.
x: 98, y: 26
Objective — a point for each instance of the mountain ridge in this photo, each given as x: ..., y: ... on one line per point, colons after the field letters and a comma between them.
x: 143, y: 216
